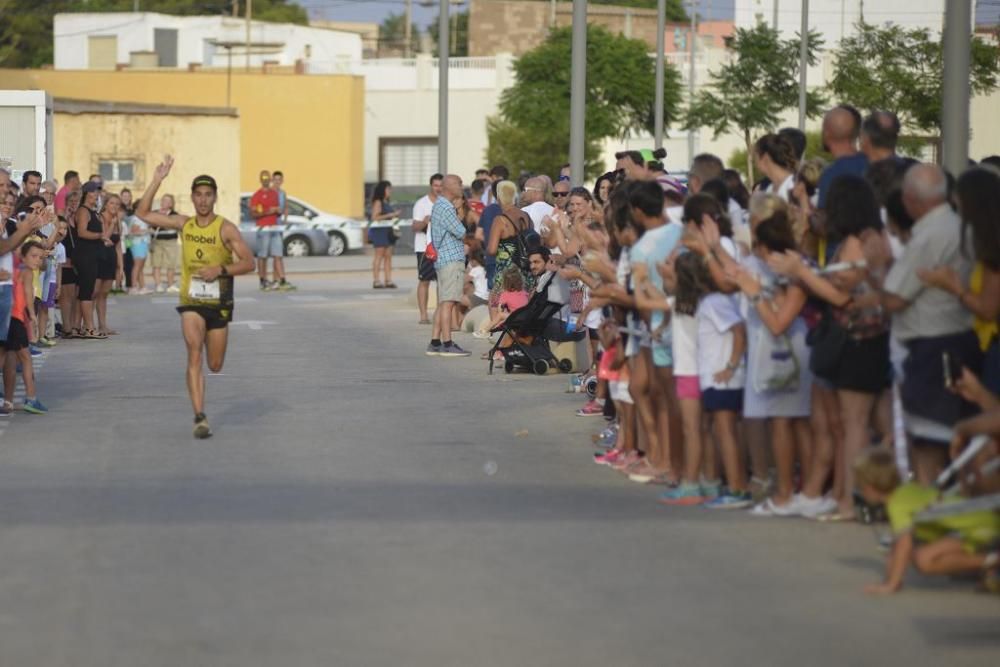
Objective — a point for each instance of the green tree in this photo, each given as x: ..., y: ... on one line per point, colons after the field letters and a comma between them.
x: 392, y: 35
x: 750, y: 92
x: 458, y: 44
x: 26, y: 25
x: 900, y: 70
x: 532, y: 130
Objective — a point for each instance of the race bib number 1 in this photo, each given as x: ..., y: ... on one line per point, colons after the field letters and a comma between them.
x: 204, y: 291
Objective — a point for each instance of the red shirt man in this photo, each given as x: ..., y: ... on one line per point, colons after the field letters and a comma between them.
x: 264, y: 204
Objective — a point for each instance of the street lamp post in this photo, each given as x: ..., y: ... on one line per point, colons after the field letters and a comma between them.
x: 956, y: 40
x: 578, y: 93
x: 661, y: 26
x: 443, y: 26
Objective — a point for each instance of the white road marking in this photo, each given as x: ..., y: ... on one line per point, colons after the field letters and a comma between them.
x: 308, y: 298
x: 255, y: 325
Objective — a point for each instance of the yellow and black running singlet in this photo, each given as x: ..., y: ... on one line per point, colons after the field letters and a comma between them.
x: 202, y: 247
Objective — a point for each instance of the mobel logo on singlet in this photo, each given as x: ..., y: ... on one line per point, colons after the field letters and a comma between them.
x: 198, y: 238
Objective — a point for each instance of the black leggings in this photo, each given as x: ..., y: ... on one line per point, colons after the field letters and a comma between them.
x: 85, y: 264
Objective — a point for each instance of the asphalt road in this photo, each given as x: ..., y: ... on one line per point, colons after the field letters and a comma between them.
x: 361, y: 504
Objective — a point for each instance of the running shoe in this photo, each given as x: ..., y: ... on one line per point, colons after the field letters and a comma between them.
x: 201, y: 428
x: 35, y: 352
x: 813, y: 508
x: 480, y: 334
x: 608, y: 437
x: 771, y: 508
x: 5, y: 411
x: 433, y: 350
x: 160, y: 289
x: 451, y: 349
x: 173, y: 289
x: 733, y: 500
x: 683, y: 494
x: 591, y: 409
x: 44, y: 342
x: 35, y: 407
x: 711, y: 489
x: 285, y: 286
x: 609, y: 457
x: 626, y: 460
x: 264, y: 286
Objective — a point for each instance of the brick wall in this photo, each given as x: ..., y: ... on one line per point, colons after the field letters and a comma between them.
x: 516, y: 26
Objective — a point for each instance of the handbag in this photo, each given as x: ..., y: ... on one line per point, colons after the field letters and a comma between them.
x: 827, y: 340
x: 774, y: 366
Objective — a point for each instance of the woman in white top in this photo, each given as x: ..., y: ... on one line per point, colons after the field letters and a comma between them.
x: 775, y: 157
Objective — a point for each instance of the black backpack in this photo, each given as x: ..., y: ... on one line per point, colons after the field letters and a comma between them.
x: 524, y: 241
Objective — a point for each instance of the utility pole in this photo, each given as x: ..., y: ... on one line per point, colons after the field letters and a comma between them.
x: 407, y: 28
x: 443, y: 27
x: 956, y: 42
x: 249, y: 18
x: 661, y: 27
x: 774, y: 23
x: 578, y: 93
x: 693, y: 48
x: 803, y: 63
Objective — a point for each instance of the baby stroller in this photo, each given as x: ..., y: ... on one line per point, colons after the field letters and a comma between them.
x: 529, y: 330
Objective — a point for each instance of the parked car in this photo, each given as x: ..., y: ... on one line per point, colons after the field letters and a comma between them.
x: 343, y: 234
x: 300, y: 241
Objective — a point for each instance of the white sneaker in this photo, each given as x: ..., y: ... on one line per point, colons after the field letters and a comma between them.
x: 173, y: 289
x: 770, y: 508
x: 812, y: 508
x: 479, y: 333
x: 160, y: 289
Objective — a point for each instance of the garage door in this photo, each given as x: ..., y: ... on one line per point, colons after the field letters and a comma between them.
x: 408, y: 161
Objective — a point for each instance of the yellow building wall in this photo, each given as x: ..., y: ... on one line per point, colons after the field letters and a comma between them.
x: 311, y: 127
x: 81, y: 140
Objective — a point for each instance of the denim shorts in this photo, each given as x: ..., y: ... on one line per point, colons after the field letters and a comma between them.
x: 6, y: 305
x: 269, y: 244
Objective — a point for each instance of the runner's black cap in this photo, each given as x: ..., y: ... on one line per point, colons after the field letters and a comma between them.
x: 204, y: 179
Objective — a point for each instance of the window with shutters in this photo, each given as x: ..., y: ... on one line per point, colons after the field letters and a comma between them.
x: 407, y: 161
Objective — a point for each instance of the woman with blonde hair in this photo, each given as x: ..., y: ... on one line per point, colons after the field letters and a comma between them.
x: 110, y: 262
x: 502, y: 243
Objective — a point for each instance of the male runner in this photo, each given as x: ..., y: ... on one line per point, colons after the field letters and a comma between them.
x: 209, y: 246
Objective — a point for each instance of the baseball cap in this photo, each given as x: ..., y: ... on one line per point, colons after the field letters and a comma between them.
x: 91, y: 186
x: 204, y: 179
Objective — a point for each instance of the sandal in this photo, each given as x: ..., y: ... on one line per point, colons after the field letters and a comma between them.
x: 71, y: 334
x: 90, y: 334
x: 424, y: 321
x: 391, y: 285
x: 377, y: 285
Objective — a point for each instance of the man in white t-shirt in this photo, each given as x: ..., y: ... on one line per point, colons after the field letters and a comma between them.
x: 533, y: 201
x: 421, y: 232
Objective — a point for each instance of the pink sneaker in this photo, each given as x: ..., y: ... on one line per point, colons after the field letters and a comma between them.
x: 608, y: 458
x: 591, y: 409
x: 624, y: 462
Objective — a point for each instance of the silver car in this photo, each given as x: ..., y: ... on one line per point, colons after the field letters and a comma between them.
x: 299, y: 241
x: 344, y: 234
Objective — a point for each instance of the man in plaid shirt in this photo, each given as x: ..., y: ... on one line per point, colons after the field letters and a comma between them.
x: 447, y: 235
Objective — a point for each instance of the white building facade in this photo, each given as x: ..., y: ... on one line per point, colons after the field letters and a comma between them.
x: 147, y: 39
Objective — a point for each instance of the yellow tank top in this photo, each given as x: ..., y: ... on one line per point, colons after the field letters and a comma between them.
x: 985, y: 330
x: 204, y: 247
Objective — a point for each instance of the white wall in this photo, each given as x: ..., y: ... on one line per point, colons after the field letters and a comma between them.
x: 26, y: 132
x: 135, y: 33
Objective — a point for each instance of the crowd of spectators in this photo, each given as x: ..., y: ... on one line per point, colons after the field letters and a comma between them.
x: 820, y: 344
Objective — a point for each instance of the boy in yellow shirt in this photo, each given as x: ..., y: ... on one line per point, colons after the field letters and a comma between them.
x: 948, y: 545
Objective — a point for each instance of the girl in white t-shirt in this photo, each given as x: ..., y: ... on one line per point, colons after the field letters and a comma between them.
x: 722, y: 344
x: 476, y: 293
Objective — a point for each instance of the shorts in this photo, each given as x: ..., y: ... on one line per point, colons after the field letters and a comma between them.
x: 663, y: 354
x: 451, y: 281
x: 269, y: 243
x: 17, y: 336
x: 923, y: 390
x: 425, y: 269
x: 475, y: 301
x: 688, y: 387
x: 863, y: 366
x: 140, y: 249
x: 107, y: 265
x: 164, y: 254
x: 50, y: 296
x: 718, y: 400
x: 214, y: 318
x: 68, y: 276
x: 619, y: 391
x: 6, y: 305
